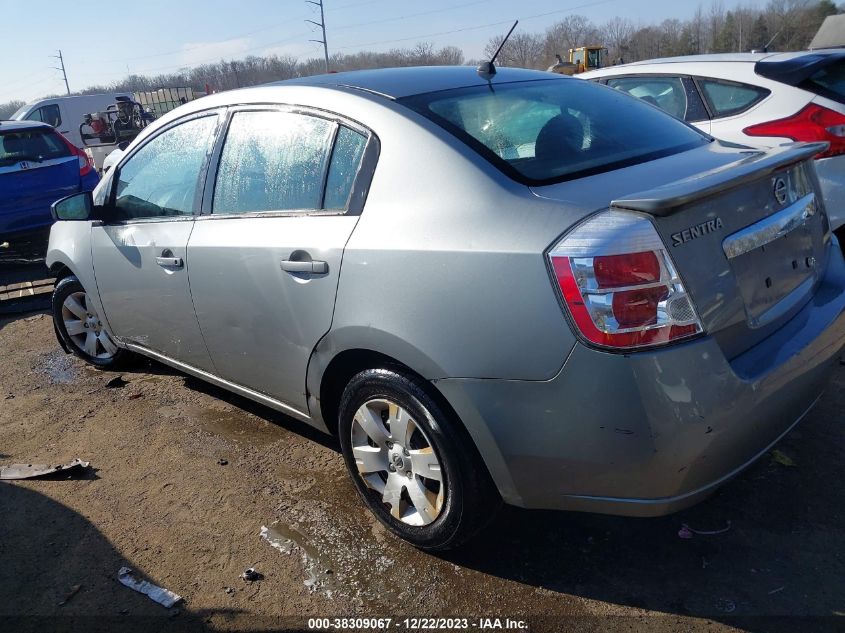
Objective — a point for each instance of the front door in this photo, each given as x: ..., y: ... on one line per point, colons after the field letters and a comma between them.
x: 264, y: 263
x: 140, y: 251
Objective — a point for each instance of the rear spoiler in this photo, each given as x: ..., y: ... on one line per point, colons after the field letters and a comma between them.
x: 796, y: 71
x: 665, y: 200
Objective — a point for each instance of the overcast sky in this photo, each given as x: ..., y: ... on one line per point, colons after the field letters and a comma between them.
x: 102, y: 41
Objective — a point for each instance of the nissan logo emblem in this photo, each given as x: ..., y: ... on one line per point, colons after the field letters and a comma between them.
x: 780, y: 190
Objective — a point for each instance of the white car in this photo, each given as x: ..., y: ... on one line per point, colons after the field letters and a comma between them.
x: 757, y: 99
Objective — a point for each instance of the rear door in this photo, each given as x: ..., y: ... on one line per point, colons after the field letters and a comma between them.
x: 36, y: 169
x: 140, y: 251
x: 265, y: 257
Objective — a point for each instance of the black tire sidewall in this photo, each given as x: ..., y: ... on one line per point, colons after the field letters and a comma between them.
x: 450, y: 528
x: 67, y: 286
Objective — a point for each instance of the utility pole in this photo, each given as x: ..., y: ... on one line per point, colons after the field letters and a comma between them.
x: 64, y: 72
x: 322, y: 25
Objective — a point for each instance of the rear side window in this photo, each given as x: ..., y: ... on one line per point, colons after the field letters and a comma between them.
x: 272, y: 161
x: 346, y: 158
x: 31, y: 146
x: 161, y: 178
x: 727, y: 98
x: 545, y: 131
x: 48, y: 114
x: 829, y: 82
x: 667, y: 93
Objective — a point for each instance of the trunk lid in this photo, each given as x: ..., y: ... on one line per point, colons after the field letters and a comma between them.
x: 28, y: 188
x: 749, y: 235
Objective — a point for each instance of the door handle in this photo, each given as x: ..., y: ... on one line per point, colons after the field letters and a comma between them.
x: 167, y: 260
x: 313, y: 266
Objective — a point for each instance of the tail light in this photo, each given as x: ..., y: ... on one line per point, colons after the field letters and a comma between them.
x: 85, y: 165
x: 813, y: 123
x: 620, y: 285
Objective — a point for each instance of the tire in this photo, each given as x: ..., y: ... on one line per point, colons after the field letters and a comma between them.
x: 78, y: 326
x: 435, y: 499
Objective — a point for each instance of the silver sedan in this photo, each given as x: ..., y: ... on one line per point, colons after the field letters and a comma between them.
x: 514, y: 287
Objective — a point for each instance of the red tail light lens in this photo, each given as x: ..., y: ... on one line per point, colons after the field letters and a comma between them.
x: 85, y: 165
x: 813, y: 123
x: 620, y: 285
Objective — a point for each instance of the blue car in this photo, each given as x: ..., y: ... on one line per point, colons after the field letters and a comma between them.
x: 37, y: 167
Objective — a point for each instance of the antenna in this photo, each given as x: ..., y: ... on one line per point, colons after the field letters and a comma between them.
x: 322, y: 25
x: 64, y: 72
x: 488, y: 69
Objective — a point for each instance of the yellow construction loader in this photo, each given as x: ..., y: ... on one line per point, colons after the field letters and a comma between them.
x: 581, y: 60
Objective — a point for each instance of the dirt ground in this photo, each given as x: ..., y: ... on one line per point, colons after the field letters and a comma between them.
x: 159, y: 500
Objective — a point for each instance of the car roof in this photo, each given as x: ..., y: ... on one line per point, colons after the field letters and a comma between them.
x: 752, y: 58
x: 396, y: 83
x: 11, y: 126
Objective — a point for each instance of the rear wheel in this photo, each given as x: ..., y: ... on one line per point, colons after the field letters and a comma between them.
x: 413, y: 468
x: 79, y: 326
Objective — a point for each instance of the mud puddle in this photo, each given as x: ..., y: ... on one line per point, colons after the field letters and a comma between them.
x: 287, y: 539
x: 233, y: 425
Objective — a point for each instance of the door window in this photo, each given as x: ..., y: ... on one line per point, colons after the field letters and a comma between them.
x: 48, y: 114
x: 727, y: 98
x: 161, y: 178
x: 273, y: 161
x: 667, y: 93
x: 346, y: 158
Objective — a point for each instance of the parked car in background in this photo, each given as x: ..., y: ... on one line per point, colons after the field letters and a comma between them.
x: 519, y: 286
x: 37, y: 167
x: 67, y: 113
x: 757, y: 99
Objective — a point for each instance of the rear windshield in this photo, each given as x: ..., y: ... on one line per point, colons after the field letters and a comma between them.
x: 829, y: 82
x: 541, y: 132
x: 31, y: 145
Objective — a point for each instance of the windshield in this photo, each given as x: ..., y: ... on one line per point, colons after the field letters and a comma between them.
x: 31, y: 145
x: 540, y: 132
x: 19, y: 113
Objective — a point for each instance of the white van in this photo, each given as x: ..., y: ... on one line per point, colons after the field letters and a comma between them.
x: 66, y: 113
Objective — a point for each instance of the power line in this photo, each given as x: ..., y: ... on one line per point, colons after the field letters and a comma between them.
x: 477, y: 27
x: 412, y: 15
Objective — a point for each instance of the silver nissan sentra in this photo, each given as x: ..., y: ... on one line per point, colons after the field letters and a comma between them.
x: 520, y: 287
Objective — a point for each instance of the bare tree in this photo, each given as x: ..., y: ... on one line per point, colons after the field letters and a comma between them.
x: 617, y: 34
x: 524, y: 50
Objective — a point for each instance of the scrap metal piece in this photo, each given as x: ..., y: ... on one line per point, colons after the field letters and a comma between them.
x: 163, y: 596
x: 31, y: 471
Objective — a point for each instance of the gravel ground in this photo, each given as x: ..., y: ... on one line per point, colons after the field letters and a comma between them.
x: 160, y: 500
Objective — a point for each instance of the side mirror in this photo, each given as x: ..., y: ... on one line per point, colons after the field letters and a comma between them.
x: 79, y: 206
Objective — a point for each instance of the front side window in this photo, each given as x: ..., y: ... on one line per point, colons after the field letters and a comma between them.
x: 727, y: 98
x: 48, y: 114
x: 272, y: 161
x: 161, y: 178
x: 31, y: 146
x: 667, y: 93
x: 545, y: 131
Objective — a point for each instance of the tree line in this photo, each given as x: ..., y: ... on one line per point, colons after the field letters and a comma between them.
x: 782, y: 25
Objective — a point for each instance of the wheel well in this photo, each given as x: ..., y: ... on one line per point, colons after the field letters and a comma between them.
x: 60, y: 271
x: 345, y: 365
x: 340, y: 371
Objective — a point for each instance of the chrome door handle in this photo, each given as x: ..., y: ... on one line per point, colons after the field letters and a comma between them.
x: 313, y: 266
x: 169, y: 262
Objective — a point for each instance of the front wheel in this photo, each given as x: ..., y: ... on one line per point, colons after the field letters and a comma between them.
x: 413, y: 467
x: 79, y: 327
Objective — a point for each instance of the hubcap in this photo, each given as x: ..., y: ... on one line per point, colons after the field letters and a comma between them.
x: 83, y: 326
x: 397, y: 461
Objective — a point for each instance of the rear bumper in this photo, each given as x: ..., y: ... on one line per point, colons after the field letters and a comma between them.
x: 831, y: 172
x: 652, y: 432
